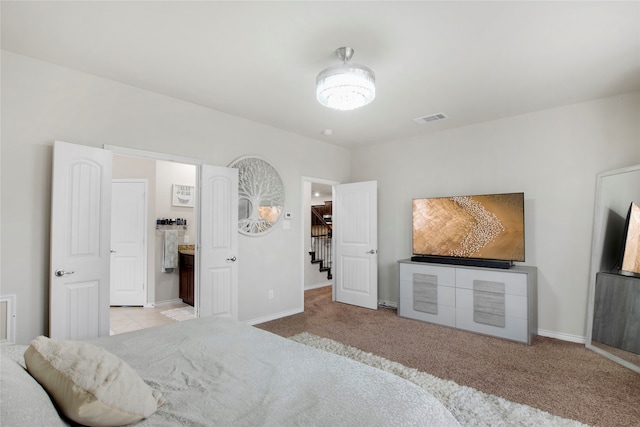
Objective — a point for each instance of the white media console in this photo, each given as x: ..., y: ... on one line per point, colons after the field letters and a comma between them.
x: 497, y: 302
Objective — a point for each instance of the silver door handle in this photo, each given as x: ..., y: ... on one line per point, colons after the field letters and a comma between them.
x: 60, y: 272
x: 232, y: 259
x: 113, y: 252
x: 372, y: 251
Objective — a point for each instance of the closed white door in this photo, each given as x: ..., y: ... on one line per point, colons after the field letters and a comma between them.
x: 80, y: 240
x: 217, y: 263
x: 355, y: 239
x: 128, y: 242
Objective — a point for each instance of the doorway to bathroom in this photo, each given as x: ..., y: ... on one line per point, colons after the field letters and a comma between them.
x: 150, y: 229
x: 80, y: 239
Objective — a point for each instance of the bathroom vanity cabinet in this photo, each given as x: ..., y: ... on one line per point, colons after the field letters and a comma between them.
x: 186, y: 278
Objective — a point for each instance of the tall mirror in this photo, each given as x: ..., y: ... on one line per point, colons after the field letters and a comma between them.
x: 613, y: 319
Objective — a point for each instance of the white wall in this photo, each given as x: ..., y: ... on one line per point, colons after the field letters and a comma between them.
x: 42, y: 102
x: 167, y: 174
x: 552, y: 155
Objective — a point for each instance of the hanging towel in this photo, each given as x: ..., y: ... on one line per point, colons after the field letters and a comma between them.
x: 170, y: 251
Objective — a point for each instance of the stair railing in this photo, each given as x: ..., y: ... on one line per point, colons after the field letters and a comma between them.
x: 321, y: 247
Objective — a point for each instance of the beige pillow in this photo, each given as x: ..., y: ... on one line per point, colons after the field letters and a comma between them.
x: 90, y: 385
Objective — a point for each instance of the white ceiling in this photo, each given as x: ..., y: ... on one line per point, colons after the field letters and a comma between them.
x: 322, y: 190
x: 472, y: 61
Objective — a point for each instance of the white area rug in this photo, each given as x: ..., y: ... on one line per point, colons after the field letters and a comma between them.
x: 180, y: 314
x: 470, y: 406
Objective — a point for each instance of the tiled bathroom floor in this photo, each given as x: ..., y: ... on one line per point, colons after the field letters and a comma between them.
x: 127, y: 319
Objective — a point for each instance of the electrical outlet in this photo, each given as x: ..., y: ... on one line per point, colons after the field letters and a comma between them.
x: 271, y: 294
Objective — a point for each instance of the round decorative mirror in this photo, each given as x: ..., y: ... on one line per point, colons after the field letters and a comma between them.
x: 260, y: 195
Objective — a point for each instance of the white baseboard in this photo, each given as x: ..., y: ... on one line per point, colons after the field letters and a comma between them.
x: 317, y: 285
x: 387, y: 304
x: 273, y: 316
x: 163, y: 303
x: 561, y: 336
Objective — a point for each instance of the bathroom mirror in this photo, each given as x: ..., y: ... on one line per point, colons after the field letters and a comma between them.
x: 260, y: 195
x: 615, y: 190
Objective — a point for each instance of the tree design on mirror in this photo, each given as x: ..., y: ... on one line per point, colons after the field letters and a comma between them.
x: 260, y: 195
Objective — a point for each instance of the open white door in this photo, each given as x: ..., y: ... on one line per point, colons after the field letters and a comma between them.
x: 355, y: 237
x: 128, y: 242
x: 80, y: 237
x: 217, y: 254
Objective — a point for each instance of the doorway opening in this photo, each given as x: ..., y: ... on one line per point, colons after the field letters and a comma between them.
x: 354, y: 241
x: 317, y: 246
x: 81, y: 222
x: 148, y: 286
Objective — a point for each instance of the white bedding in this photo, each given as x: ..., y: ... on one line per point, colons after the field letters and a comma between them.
x: 218, y: 372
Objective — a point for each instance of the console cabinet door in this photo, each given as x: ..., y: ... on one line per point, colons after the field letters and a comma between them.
x: 492, y: 303
x: 427, y: 293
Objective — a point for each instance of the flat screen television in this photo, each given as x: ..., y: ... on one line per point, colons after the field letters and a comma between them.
x: 629, y: 262
x: 484, y: 230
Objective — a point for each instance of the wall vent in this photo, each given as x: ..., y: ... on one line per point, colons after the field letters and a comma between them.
x: 7, y: 318
x: 429, y: 119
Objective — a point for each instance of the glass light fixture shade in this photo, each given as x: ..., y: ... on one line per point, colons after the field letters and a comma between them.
x: 346, y: 86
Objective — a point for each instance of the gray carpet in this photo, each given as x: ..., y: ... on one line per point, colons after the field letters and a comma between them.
x: 558, y: 377
x: 470, y: 407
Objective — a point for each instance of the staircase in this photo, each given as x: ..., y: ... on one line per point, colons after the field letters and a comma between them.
x: 321, y: 248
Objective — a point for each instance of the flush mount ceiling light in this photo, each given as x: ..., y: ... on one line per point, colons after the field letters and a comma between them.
x: 346, y: 86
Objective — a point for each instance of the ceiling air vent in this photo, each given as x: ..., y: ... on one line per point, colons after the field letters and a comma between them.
x: 429, y: 119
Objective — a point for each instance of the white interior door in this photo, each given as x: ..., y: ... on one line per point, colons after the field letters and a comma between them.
x: 80, y: 237
x: 128, y: 242
x: 355, y: 237
x: 217, y: 293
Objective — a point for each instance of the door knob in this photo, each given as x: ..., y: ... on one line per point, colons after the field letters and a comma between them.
x: 232, y: 259
x: 60, y: 272
x: 372, y: 251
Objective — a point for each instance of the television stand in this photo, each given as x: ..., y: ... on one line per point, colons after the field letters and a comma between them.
x: 471, y: 262
x: 489, y: 301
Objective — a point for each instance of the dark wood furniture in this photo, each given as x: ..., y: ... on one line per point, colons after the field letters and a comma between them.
x: 616, y: 311
x: 186, y: 278
x: 323, y: 213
